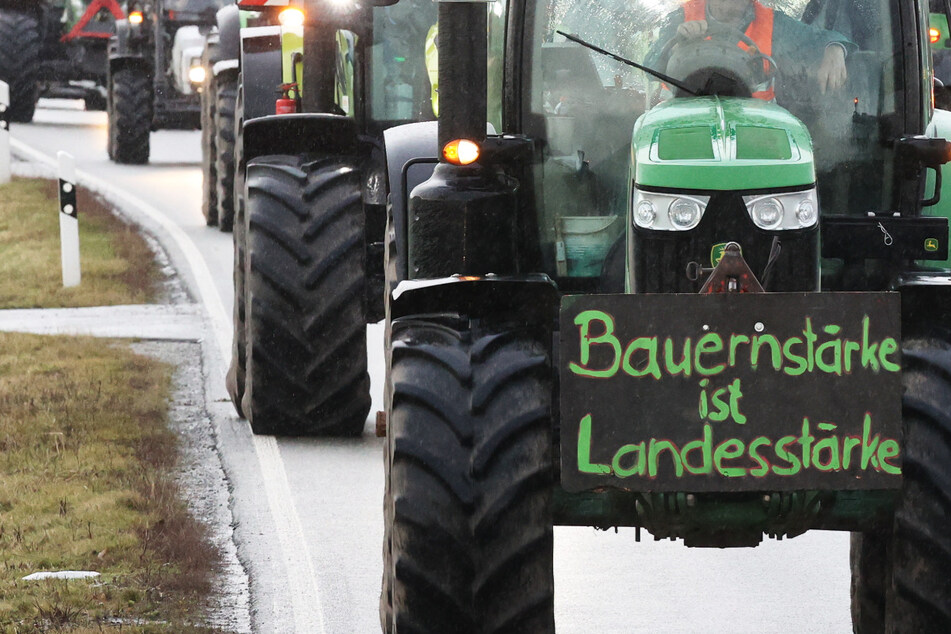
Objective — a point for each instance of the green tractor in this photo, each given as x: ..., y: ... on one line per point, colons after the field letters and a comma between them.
x: 310, y: 203
x: 697, y: 284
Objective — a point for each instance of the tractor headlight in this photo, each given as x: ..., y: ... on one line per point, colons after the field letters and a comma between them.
x: 196, y: 74
x: 782, y: 212
x: 683, y: 211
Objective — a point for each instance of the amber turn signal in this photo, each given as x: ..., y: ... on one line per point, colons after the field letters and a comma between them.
x: 136, y: 17
x: 934, y: 35
x: 291, y: 17
x: 461, y: 152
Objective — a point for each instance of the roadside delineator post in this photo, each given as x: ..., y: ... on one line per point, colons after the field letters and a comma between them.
x: 68, y: 219
x: 4, y: 133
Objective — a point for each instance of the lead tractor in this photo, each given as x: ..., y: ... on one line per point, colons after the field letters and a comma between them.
x: 702, y: 297
x: 57, y: 49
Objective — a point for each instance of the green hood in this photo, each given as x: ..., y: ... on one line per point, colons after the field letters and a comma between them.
x: 714, y: 143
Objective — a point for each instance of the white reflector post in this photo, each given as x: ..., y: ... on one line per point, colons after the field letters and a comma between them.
x: 4, y: 133
x: 68, y: 219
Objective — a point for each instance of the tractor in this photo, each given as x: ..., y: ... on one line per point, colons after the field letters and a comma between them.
x: 155, y: 73
x: 57, y: 49
x: 683, y: 285
x: 316, y: 93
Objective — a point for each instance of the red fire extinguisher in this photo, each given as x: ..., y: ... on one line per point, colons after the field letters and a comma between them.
x: 287, y: 104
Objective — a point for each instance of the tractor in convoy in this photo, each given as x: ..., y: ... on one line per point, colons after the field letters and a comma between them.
x: 317, y: 90
x: 693, y: 283
x: 155, y: 72
x: 55, y: 48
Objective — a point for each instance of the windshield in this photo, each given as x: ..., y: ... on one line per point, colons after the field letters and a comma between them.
x: 836, y: 66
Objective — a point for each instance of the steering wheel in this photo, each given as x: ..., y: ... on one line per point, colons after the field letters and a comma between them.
x: 683, y: 57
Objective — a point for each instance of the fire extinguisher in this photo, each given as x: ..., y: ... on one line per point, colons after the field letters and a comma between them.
x: 287, y: 104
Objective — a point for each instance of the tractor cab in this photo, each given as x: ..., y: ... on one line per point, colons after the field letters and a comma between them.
x: 750, y: 143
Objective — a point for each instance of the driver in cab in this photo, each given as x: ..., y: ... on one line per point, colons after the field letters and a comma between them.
x: 790, y: 42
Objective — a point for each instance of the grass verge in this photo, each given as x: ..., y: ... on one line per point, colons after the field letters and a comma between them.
x: 117, y: 264
x: 86, y: 483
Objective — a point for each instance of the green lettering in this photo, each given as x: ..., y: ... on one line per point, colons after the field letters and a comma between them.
x: 681, y: 367
x: 648, y: 344
x: 735, y: 396
x: 722, y: 407
x: 848, y: 445
x: 836, y: 366
x: 868, y: 351
x: 850, y: 348
x: 806, y: 441
x: 736, y: 340
x: 800, y: 361
x: 658, y: 446
x: 794, y: 465
x: 710, y: 343
x: 869, y: 445
x: 763, y: 467
x: 887, y: 347
x: 832, y: 445
x: 703, y: 398
x: 728, y: 450
x: 810, y: 343
x: 705, y: 447
x: 638, y: 466
x: 584, y: 450
x: 774, y: 348
x: 583, y: 321
x: 888, y: 449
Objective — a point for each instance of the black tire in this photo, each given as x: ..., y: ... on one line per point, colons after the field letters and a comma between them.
x: 226, y: 99
x: 20, y: 62
x: 209, y: 155
x: 306, y: 362
x: 900, y: 579
x: 131, y: 116
x: 469, y: 471
x: 235, y: 379
x: 390, y: 280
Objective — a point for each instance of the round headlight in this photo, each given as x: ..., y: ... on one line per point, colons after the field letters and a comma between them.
x: 767, y: 213
x: 645, y: 214
x: 684, y: 213
x: 806, y: 213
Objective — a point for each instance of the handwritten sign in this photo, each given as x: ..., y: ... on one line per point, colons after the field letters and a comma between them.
x: 731, y: 392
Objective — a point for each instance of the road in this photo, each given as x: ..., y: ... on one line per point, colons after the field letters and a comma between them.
x: 308, y: 512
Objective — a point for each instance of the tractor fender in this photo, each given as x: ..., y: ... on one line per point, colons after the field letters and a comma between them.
x: 261, y: 69
x: 295, y: 134
x: 532, y: 298
x: 228, y: 52
x: 411, y: 152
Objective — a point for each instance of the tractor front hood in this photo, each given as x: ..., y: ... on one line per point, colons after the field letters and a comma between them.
x: 721, y: 143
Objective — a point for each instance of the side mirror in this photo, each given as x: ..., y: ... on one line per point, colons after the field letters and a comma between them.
x: 916, y: 153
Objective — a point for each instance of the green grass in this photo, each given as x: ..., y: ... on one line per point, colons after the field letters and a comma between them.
x: 86, y: 484
x: 117, y: 264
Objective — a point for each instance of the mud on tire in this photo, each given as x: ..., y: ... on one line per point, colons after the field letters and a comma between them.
x: 130, y: 116
x: 19, y: 62
x: 900, y: 579
x: 306, y: 355
x: 209, y: 189
x: 235, y: 379
x: 469, y: 471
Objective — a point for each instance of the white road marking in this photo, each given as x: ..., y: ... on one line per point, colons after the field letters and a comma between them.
x: 300, y: 576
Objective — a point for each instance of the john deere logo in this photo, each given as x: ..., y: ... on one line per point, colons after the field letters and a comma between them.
x: 931, y: 244
x: 716, y: 253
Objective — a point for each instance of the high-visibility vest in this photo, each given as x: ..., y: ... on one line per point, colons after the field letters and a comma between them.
x: 760, y: 31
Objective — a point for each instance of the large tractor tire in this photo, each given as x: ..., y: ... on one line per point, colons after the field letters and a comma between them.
x: 469, y: 475
x: 235, y: 379
x: 20, y: 62
x: 900, y: 580
x: 305, y: 307
x: 209, y: 155
x: 130, y: 116
x: 225, y: 146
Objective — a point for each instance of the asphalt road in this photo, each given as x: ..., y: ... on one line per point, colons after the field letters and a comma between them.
x: 308, y: 514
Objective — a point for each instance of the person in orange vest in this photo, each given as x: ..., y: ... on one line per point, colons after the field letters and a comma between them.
x: 790, y: 42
